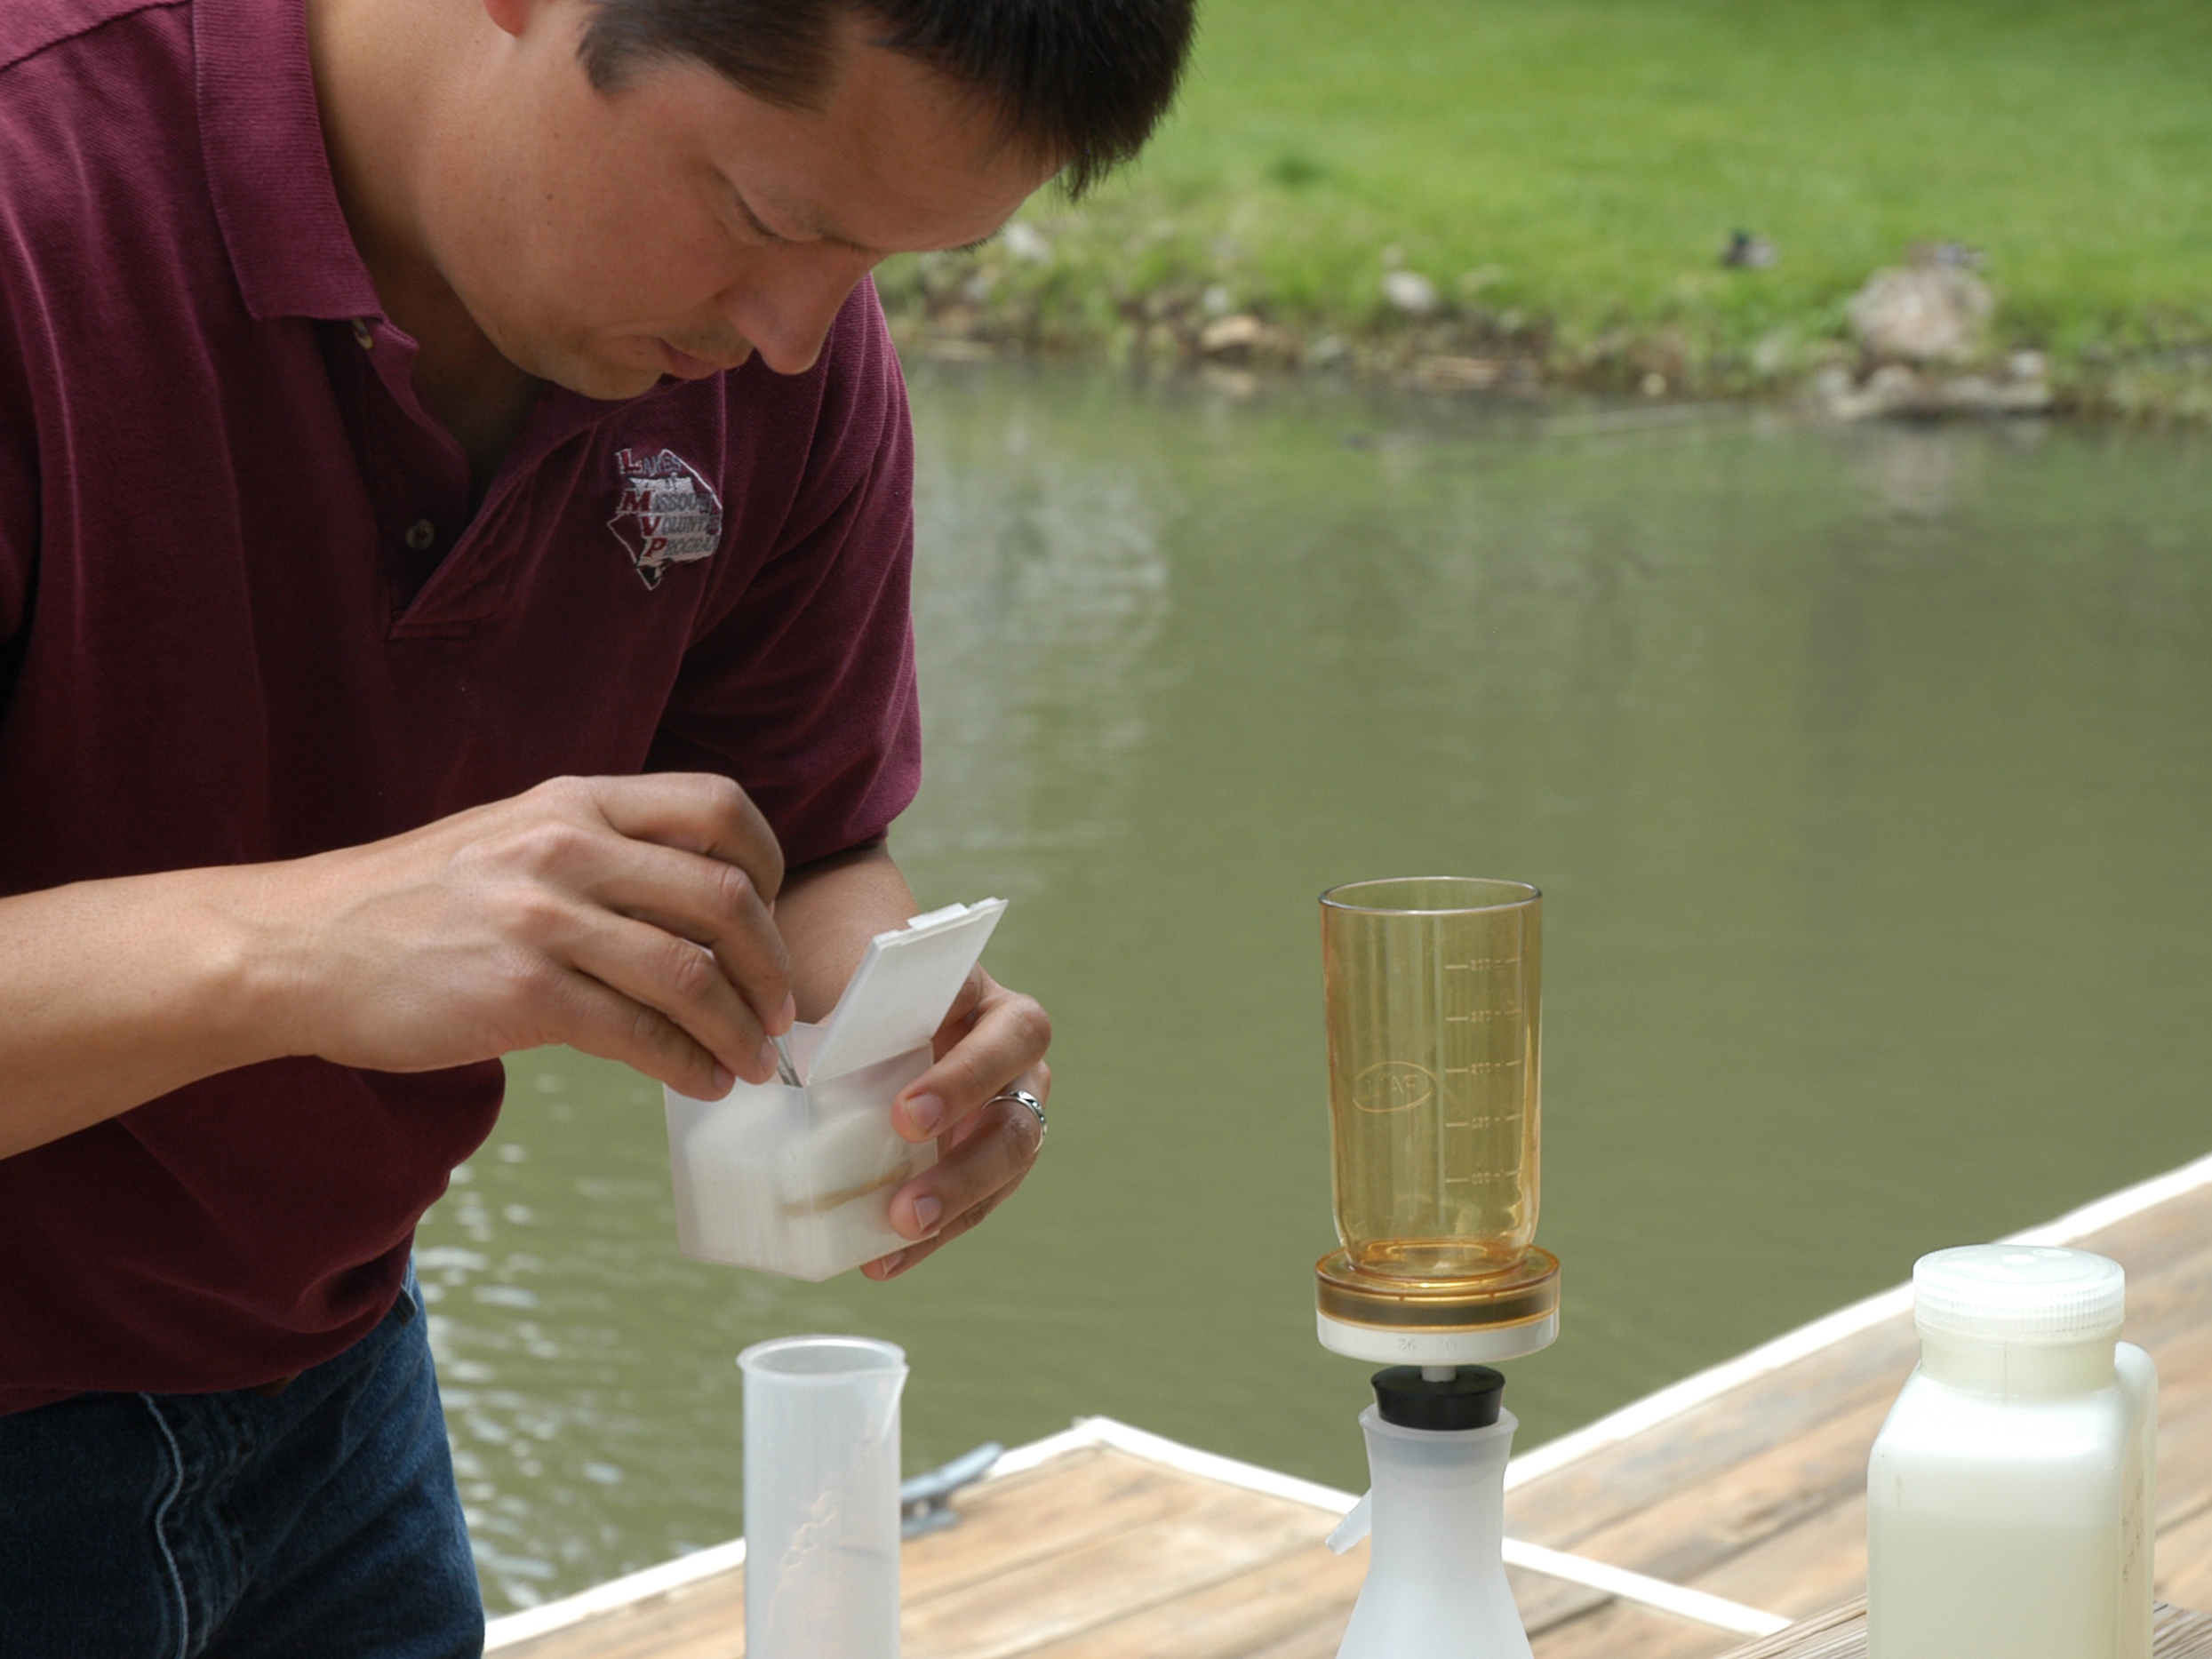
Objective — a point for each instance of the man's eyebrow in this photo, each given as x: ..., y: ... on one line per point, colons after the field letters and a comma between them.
x: 754, y: 220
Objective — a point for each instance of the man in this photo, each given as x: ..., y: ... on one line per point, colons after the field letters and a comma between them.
x: 453, y: 533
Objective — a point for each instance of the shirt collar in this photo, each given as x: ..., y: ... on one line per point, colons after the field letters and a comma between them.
x: 261, y: 135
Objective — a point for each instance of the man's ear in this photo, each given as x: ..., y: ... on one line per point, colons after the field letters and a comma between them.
x: 512, y: 16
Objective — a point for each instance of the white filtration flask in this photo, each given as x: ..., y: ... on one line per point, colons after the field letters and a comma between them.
x: 1436, y: 1450
x: 821, y: 1497
x: 2009, y: 1493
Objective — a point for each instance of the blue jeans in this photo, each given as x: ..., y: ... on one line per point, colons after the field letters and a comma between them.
x: 320, y: 1520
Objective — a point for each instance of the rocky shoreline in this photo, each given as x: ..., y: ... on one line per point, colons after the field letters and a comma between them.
x: 1919, y: 340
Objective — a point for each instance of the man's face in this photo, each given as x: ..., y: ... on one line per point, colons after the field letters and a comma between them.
x: 680, y: 225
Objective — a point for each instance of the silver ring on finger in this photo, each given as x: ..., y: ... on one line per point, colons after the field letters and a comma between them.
x: 1023, y: 1097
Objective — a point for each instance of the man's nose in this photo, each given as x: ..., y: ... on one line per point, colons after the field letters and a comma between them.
x: 788, y: 313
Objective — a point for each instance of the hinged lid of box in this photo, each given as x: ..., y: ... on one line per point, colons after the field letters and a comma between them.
x: 901, y: 992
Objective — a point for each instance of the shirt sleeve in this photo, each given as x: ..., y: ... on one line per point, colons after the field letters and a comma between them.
x: 803, y: 689
x: 19, y: 484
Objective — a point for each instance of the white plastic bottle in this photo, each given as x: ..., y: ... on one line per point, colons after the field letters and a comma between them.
x: 2009, y: 1492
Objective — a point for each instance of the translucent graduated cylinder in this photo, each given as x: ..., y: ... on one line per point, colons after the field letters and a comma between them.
x: 2010, y: 1496
x: 1433, y: 988
x: 821, y: 1497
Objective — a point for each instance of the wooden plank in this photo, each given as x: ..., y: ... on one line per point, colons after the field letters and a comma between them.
x: 1605, y: 1488
x: 2177, y: 1633
x: 1284, y: 1601
x: 705, y: 1620
x: 2161, y: 1304
x: 1840, y: 1633
x: 1702, y: 1524
x: 1619, y: 1628
x: 1087, y: 1493
x: 1046, y: 1513
x: 2152, y: 1242
x: 1600, y: 1629
x: 2166, y: 1316
x: 1813, y: 1565
x: 2181, y: 1562
x: 1545, y: 1601
x: 2185, y: 1466
x: 1219, y: 1532
x: 1317, y: 1641
x: 1280, y: 1599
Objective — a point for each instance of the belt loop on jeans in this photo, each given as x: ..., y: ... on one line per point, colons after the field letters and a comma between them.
x: 269, y: 1391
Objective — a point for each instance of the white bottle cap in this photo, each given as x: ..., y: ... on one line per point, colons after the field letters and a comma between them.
x: 2018, y: 1293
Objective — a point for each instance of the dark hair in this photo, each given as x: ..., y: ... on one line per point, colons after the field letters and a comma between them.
x: 1083, y: 81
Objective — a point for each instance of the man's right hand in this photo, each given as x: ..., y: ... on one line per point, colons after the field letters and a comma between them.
x: 627, y: 917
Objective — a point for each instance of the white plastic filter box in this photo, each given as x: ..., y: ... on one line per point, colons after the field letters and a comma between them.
x: 799, y: 1181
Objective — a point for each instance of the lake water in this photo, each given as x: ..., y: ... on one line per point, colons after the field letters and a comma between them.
x: 1866, y: 774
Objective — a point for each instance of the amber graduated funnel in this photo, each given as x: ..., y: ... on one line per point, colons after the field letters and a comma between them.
x: 1433, y: 991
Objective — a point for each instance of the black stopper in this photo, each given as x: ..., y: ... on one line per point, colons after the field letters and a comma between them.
x: 1468, y: 1398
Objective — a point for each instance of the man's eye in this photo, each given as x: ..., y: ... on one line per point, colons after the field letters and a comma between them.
x: 750, y: 222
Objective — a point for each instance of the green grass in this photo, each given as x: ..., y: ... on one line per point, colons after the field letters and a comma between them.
x: 1566, y: 170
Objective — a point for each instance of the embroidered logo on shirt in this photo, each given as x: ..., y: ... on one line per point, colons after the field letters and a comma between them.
x: 666, y: 514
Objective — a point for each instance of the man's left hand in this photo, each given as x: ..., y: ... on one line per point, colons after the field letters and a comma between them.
x: 993, y: 1039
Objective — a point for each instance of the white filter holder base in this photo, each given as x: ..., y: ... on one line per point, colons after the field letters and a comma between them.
x: 1384, y: 1346
x: 798, y: 1181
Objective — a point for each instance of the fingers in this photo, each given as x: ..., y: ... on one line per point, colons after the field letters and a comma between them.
x: 696, y: 812
x: 996, y: 1153
x: 602, y: 1022
x: 678, y: 861
x: 667, y: 975
x: 992, y: 1037
x: 715, y: 904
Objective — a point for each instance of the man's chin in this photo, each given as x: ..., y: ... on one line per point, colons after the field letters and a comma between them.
x: 613, y: 376
x: 588, y: 374
x: 605, y: 382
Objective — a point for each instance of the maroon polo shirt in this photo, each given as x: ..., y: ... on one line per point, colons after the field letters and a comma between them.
x: 247, y: 614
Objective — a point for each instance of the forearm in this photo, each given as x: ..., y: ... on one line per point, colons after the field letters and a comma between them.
x: 827, y: 913
x: 627, y: 917
x: 113, y: 993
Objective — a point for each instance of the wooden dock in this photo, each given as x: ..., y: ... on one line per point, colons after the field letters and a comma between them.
x: 1708, y: 1514
x: 1840, y: 1633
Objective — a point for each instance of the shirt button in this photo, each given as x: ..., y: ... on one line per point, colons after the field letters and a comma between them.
x: 420, y: 535
x: 362, y: 337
